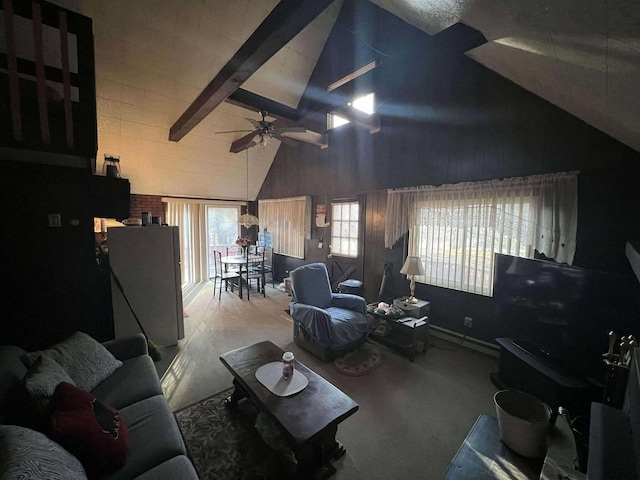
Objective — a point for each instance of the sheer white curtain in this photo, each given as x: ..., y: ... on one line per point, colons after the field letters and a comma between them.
x: 456, y: 229
x: 289, y: 221
x: 191, y: 218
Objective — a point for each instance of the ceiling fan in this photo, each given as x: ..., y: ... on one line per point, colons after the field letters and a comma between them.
x: 265, y: 130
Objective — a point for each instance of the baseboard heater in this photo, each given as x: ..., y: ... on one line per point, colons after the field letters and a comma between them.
x: 465, y: 341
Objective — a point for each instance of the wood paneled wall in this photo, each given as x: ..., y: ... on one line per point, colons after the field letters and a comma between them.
x: 53, y: 282
x: 447, y: 119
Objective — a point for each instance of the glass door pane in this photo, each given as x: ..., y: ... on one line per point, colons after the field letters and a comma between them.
x: 222, y: 230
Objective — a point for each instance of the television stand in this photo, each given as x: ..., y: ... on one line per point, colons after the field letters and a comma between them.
x: 522, y: 370
x: 544, y: 358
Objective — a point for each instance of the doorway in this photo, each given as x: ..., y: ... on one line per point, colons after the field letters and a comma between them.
x: 345, y: 260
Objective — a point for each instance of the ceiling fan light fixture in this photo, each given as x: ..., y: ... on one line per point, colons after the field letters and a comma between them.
x: 262, y: 134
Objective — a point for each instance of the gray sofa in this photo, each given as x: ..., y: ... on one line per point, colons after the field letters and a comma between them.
x: 156, y: 448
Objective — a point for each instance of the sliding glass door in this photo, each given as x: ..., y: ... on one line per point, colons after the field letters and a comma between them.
x: 222, y: 229
x: 204, y: 227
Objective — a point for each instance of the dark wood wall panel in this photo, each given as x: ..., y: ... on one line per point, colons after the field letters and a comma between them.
x: 448, y: 119
x: 374, y: 251
x: 55, y: 286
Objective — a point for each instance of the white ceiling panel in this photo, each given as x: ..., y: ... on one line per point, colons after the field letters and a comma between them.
x: 153, y: 58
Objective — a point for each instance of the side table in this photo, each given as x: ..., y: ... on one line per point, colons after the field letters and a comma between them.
x: 404, y: 334
x: 416, y: 310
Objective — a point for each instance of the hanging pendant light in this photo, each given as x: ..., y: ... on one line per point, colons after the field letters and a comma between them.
x: 246, y: 219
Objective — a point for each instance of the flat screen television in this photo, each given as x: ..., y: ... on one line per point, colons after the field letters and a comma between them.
x: 563, y: 314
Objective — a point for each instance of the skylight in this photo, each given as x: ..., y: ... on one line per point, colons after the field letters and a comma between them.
x: 365, y: 103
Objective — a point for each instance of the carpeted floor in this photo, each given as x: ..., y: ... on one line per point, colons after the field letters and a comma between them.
x: 223, y: 445
x: 413, y: 416
x: 360, y: 361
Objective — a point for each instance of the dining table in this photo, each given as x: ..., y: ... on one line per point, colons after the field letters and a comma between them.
x: 242, y: 262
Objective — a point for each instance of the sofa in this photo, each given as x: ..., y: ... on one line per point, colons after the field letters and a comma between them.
x: 46, y: 438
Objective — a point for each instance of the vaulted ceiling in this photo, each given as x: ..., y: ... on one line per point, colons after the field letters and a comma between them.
x: 153, y: 59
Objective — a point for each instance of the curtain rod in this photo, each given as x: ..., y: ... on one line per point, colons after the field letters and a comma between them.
x: 541, y: 178
x: 274, y: 200
x: 208, y: 201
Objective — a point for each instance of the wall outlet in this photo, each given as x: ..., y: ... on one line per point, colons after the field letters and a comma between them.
x: 468, y: 322
x: 55, y: 220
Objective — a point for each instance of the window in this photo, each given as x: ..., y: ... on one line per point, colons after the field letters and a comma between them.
x: 289, y: 221
x: 458, y: 253
x: 457, y: 229
x: 365, y: 103
x: 344, y: 229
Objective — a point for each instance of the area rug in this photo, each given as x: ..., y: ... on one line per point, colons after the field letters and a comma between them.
x: 360, y: 361
x: 223, y: 443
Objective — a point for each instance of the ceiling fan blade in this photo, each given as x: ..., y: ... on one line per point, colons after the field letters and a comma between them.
x: 244, y: 142
x: 291, y: 129
x: 255, y: 123
x: 235, y: 131
x: 285, y: 140
x: 244, y: 147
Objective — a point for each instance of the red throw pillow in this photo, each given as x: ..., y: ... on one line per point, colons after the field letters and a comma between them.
x: 88, y: 428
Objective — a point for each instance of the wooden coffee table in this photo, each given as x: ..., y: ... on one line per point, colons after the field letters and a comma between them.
x: 309, y: 418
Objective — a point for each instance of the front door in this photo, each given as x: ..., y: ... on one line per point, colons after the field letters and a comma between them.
x: 346, y: 258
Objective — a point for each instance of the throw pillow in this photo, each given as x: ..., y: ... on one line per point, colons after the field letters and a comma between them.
x: 86, y: 360
x: 90, y: 429
x: 40, y: 382
x: 31, y: 455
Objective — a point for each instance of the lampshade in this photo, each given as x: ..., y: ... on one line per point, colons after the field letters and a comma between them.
x: 246, y: 220
x: 412, y: 266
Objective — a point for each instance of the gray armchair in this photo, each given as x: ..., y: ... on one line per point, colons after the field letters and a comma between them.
x: 326, y: 324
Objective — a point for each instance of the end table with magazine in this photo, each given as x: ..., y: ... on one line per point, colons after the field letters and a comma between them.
x: 404, y: 330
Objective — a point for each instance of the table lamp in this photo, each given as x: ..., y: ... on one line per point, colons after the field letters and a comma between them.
x: 412, y: 266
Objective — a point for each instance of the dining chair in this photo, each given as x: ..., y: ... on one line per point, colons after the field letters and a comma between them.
x: 266, y: 267
x: 251, y: 272
x: 267, y: 264
x: 234, y: 251
x: 219, y: 275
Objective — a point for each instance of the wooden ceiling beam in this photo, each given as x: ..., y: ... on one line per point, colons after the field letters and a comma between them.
x: 286, y: 20
x: 314, y: 138
x: 257, y: 103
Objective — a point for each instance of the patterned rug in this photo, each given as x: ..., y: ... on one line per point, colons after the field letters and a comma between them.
x: 359, y: 361
x: 224, y: 444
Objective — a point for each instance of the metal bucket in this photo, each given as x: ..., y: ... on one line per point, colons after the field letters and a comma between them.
x: 523, y: 421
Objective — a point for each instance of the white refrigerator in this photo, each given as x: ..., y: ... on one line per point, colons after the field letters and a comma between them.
x: 146, y: 261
